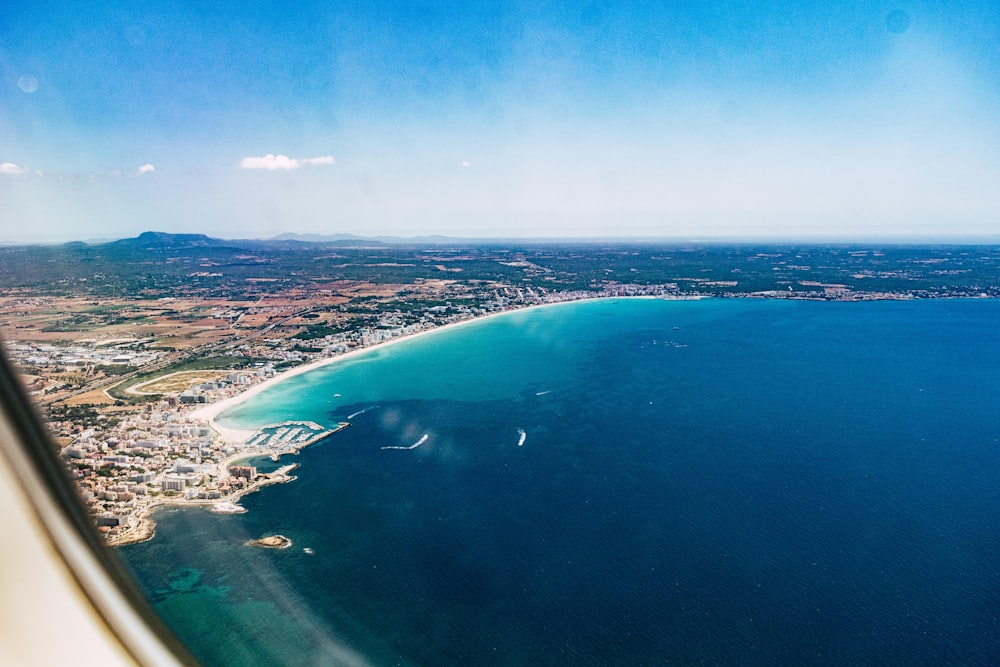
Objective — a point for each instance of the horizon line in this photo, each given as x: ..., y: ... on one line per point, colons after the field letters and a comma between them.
x: 443, y: 239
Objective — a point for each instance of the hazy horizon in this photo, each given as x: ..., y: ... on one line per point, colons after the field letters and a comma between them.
x: 693, y: 120
x: 434, y: 239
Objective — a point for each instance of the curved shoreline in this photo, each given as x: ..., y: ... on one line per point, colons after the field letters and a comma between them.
x: 212, y: 411
x: 146, y: 528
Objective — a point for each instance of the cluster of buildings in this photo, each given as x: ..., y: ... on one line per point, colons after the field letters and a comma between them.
x: 47, y: 360
x: 234, y: 383
x: 75, y: 356
x: 126, y: 467
x: 130, y: 462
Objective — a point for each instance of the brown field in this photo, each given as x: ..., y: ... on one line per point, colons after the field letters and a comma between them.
x: 369, y: 289
x: 175, y: 383
x: 255, y: 321
x: 179, y: 323
x: 96, y: 397
x: 165, y: 322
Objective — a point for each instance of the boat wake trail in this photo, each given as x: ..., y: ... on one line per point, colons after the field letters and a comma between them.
x: 361, y: 412
x: 413, y: 446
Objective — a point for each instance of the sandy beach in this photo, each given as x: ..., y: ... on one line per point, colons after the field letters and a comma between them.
x: 213, y: 410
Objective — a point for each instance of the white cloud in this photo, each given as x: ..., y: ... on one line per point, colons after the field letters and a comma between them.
x: 11, y: 168
x: 145, y: 169
x: 273, y: 162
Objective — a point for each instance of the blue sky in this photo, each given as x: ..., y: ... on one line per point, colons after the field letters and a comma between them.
x: 691, y: 119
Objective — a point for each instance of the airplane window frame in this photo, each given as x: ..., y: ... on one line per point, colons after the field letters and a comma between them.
x: 33, y: 462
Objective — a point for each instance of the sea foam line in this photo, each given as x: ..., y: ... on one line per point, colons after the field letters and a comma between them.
x: 413, y: 446
x: 524, y: 436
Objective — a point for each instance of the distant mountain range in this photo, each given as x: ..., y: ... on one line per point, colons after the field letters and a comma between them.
x: 149, y: 240
x: 163, y: 240
x: 166, y: 241
x: 153, y: 240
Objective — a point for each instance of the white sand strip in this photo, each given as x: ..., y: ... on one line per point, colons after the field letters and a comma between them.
x: 213, y: 410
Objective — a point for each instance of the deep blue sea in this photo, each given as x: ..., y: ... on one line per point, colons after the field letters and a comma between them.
x: 622, y: 482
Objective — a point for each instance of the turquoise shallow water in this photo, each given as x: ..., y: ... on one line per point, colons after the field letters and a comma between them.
x: 723, y: 482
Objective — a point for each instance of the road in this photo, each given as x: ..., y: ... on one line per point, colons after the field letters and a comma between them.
x: 172, y: 358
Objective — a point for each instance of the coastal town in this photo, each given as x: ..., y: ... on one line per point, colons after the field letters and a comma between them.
x: 127, y: 462
x: 131, y: 368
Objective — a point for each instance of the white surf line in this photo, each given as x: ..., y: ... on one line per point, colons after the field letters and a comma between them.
x: 524, y: 436
x: 413, y: 446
